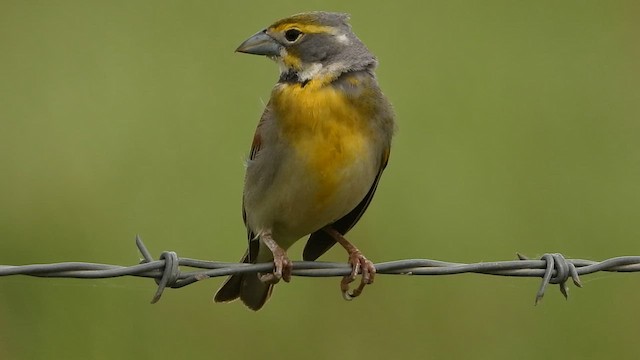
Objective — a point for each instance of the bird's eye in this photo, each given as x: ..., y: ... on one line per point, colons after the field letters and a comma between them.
x: 292, y: 35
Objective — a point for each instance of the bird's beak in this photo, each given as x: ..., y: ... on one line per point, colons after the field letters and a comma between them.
x: 260, y: 44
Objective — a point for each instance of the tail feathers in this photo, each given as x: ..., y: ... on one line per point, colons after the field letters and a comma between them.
x: 230, y: 290
x: 248, y: 287
x: 254, y: 293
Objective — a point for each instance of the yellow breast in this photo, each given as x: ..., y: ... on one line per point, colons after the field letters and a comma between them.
x: 327, y: 130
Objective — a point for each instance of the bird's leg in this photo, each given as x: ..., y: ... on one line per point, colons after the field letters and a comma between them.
x: 358, y: 262
x: 282, y: 264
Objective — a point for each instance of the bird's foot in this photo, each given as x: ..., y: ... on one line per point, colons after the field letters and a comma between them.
x: 282, y: 270
x: 282, y: 266
x: 359, y: 264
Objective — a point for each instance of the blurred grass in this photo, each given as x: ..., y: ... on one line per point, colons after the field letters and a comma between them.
x: 519, y: 131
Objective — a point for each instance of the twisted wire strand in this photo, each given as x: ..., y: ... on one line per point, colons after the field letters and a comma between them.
x: 552, y: 268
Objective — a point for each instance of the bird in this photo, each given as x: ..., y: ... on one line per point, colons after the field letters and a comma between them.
x: 317, y: 155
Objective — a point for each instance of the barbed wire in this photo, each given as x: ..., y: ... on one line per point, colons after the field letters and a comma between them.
x: 552, y: 268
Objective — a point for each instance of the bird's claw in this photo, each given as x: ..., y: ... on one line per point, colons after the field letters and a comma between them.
x: 359, y: 264
x: 282, y: 268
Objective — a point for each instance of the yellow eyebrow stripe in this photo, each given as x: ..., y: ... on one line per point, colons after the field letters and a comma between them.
x: 305, y: 28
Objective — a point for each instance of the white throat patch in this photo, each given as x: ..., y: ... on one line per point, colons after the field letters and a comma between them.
x: 310, y: 71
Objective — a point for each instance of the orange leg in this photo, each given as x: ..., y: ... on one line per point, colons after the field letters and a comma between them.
x: 282, y: 264
x: 359, y: 264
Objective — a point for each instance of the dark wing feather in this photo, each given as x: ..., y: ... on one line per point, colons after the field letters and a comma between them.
x: 256, y: 144
x: 320, y: 241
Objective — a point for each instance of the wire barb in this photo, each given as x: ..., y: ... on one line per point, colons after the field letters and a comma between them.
x: 557, y: 271
x: 553, y: 268
x: 171, y: 269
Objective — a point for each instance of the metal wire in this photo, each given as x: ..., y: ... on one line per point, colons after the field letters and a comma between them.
x: 552, y: 268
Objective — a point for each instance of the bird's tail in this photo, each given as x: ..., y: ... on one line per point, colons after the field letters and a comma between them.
x: 248, y: 287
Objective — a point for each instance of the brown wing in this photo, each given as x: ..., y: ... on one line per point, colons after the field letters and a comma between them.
x: 256, y: 144
x: 320, y: 242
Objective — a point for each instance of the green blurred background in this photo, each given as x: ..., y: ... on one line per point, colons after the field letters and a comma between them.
x: 519, y: 130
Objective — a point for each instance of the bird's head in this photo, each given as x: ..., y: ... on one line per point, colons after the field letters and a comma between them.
x: 311, y: 45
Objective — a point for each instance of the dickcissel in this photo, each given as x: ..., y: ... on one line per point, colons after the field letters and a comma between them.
x: 318, y: 152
